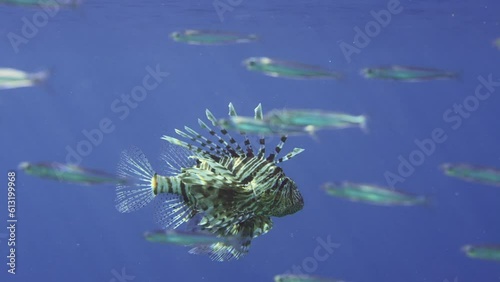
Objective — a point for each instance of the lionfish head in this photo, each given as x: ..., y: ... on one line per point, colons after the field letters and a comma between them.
x: 288, y: 198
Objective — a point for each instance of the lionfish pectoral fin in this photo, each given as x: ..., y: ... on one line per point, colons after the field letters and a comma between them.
x: 238, y: 245
x: 223, y: 222
x: 137, y: 191
x: 193, y: 224
x: 237, y: 241
x: 237, y: 237
x: 262, y: 225
x: 233, y: 249
x: 171, y: 211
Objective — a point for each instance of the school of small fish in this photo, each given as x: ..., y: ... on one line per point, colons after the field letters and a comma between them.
x: 226, y: 193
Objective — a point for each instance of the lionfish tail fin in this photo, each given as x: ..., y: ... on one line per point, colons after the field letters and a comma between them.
x: 137, y: 192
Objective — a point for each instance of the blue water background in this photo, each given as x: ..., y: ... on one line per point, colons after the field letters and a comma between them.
x: 101, y: 50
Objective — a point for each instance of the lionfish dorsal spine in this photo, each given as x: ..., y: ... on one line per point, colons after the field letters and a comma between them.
x: 232, y: 110
x: 234, y: 151
x: 204, y: 142
x: 203, y: 125
x: 248, y: 144
x: 258, y: 112
x: 196, y: 150
x: 262, y: 141
x: 193, y: 138
x: 277, y: 149
x: 290, y: 155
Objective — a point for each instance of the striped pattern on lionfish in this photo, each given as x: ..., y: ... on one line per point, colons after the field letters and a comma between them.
x: 223, y: 187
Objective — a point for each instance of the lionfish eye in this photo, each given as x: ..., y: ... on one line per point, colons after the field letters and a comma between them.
x: 272, y: 169
x: 252, y: 63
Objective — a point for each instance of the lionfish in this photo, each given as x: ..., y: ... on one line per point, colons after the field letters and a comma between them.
x: 226, y: 188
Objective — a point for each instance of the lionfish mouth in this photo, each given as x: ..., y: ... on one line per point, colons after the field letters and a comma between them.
x: 298, y: 204
x: 289, y: 202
